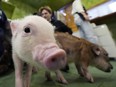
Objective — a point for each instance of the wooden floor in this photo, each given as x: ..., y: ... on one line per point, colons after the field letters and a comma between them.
x: 102, y: 79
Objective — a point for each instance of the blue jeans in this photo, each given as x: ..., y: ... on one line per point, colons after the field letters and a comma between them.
x: 86, y: 30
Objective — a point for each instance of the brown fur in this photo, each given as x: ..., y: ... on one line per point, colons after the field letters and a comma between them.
x: 75, y: 47
x: 83, y: 53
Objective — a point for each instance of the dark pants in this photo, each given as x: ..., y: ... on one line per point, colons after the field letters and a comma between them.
x: 1, y: 41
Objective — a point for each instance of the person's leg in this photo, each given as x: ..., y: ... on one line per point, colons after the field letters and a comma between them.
x: 89, y: 32
x: 81, y: 32
x: 1, y: 41
x: 78, y: 22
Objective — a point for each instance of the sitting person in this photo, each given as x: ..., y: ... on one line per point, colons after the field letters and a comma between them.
x: 46, y: 13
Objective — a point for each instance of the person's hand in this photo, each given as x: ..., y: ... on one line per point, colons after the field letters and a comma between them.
x: 85, y: 16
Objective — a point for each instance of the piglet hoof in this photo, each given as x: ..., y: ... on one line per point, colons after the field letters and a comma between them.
x: 89, y: 77
x: 91, y: 80
x: 49, y: 79
x: 63, y: 81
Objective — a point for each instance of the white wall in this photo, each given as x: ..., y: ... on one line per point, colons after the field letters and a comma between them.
x: 103, y: 9
x: 106, y: 40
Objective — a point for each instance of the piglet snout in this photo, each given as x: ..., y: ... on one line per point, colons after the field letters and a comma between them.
x: 56, y: 60
x: 109, y: 68
x: 50, y: 56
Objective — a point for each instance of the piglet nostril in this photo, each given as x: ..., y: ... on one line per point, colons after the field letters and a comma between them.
x: 57, y: 59
x: 53, y: 59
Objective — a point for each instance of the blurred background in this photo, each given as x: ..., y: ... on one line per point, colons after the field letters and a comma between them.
x: 100, y: 11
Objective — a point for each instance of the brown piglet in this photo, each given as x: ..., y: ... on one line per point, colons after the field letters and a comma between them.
x: 84, y: 53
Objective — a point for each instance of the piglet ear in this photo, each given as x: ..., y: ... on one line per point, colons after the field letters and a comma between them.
x: 96, y: 50
x: 13, y: 25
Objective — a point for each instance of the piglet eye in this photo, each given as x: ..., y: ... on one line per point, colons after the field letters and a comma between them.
x: 27, y: 30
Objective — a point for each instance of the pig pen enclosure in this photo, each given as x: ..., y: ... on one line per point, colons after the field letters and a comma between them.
x: 102, y: 79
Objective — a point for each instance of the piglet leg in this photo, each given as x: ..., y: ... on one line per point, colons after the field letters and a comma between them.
x: 87, y: 75
x: 83, y: 71
x: 27, y: 78
x: 48, y: 76
x: 60, y: 77
x: 79, y: 69
x: 18, y: 64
